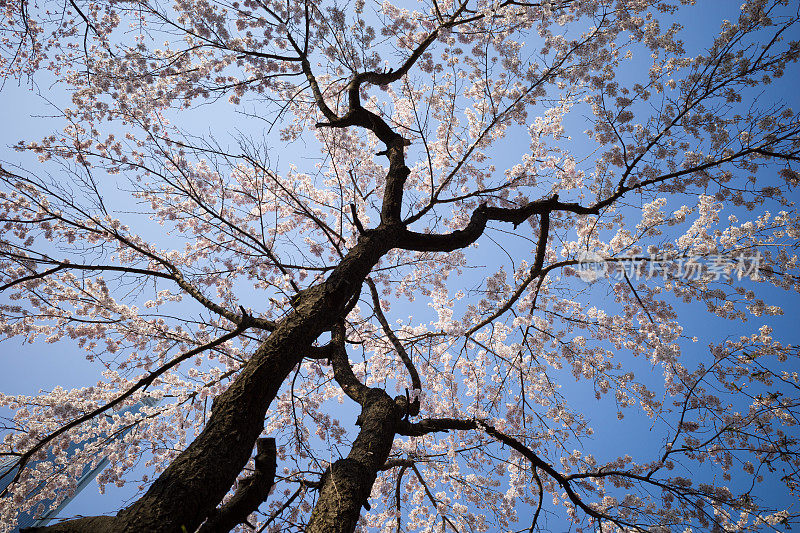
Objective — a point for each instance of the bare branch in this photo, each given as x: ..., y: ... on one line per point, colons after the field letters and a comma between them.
x: 416, y: 383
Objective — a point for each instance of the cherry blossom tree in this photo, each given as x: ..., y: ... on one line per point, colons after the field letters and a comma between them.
x: 364, y: 304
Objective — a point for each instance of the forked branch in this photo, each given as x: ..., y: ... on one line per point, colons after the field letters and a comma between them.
x: 251, y: 492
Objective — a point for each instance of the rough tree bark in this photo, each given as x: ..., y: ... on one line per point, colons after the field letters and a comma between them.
x: 346, y: 485
x: 250, y: 493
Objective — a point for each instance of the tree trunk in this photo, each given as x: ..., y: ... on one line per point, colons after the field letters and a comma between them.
x: 347, y: 484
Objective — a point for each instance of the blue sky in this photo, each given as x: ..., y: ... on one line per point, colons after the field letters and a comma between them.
x: 30, y: 368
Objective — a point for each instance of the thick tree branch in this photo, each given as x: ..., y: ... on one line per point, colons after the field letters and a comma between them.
x: 357, y: 115
x: 319, y: 98
x: 462, y: 238
x: 251, y: 492
x: 342, y: 371
x: 424, y: 242
x: 768, y: 153
x: 321, y: 353
x: 347, y: 484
